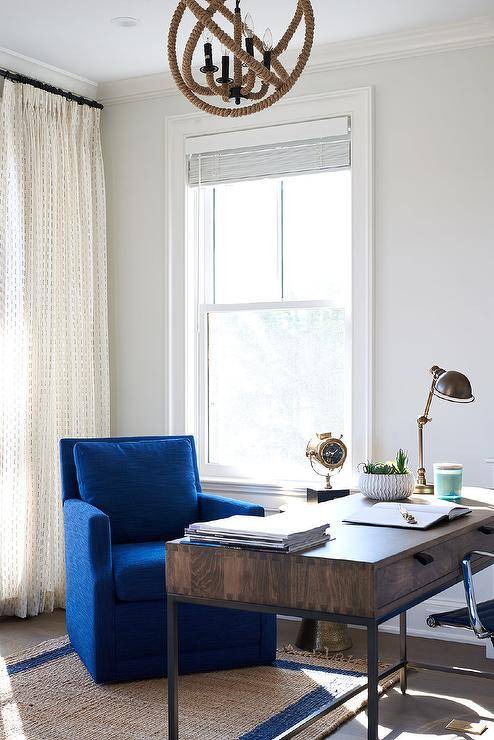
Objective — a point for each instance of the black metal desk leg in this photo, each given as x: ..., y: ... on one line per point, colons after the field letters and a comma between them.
x: 172, y: 661
x: 403, y: 652
x: 372, y: 681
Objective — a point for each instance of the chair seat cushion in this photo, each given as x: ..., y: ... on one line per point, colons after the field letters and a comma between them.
x: 147, y: 489
x: 139, y: 571
x: 460, y: 616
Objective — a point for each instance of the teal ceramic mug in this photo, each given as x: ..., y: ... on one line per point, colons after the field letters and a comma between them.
x: 448, y: 481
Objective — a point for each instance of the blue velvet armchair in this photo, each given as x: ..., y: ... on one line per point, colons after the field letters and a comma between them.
x: 119, y: 509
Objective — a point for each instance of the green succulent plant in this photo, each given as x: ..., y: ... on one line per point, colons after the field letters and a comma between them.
x: 401, y: 463
x: 398, y: 466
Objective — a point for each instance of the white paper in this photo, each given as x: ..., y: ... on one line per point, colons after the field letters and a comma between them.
x: 387, y: 514
x: 276, y: 526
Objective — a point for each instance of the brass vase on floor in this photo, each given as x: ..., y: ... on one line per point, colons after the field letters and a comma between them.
x: 321, y: 636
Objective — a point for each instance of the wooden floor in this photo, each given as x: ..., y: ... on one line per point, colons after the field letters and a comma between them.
x: 433, y: 700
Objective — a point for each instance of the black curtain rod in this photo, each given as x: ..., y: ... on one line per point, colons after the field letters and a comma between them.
x: 16, y: 77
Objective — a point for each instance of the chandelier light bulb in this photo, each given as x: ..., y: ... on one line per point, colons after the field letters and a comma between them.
x: 267, y: 45
x: 267, y: 41
x: 248, y: 26
x: 249, y: 34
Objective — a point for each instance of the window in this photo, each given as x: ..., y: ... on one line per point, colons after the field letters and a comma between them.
x: 273, y: 307
x: 289, y: 285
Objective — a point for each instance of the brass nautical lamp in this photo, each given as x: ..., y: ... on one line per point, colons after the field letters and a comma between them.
x: 450, y: 385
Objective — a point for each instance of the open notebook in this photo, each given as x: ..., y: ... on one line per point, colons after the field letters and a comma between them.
x: 388, y: 514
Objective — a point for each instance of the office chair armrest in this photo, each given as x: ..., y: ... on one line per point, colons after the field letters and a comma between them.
x: 473, y: 613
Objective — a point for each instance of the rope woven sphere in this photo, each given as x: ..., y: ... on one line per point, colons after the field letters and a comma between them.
x: 274, y: 81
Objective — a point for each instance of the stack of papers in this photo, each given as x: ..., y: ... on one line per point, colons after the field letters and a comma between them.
x: 280, y: 532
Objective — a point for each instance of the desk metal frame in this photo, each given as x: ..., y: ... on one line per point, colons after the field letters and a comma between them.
x: 373, y: 675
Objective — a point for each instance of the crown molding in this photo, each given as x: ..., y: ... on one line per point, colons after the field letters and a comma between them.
x: 405, y: 44
x: 326, y: 57
x: 136, y: 89
x: 30, y: 67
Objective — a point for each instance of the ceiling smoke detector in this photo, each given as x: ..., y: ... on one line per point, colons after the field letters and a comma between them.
x: 125, y: 21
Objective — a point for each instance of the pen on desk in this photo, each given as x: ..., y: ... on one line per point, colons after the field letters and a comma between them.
x: 408, y: 516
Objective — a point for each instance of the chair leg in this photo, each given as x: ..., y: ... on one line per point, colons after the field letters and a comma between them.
x: 403, y: 652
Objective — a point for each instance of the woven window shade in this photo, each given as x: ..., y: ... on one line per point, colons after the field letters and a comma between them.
x: 272, y: 160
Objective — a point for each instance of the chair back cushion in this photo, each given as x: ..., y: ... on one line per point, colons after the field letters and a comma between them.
x: 147, y: 489
x: 68, y: 472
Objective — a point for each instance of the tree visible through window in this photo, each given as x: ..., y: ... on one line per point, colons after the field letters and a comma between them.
x: 274, y: 312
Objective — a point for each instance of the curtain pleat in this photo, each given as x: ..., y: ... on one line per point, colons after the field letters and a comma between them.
x: 54, y: 376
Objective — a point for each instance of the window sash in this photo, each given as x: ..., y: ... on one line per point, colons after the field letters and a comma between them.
x: 269, y: 305
x: 215, y: 470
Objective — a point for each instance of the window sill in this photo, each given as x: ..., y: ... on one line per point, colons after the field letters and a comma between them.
x: 269, y: 495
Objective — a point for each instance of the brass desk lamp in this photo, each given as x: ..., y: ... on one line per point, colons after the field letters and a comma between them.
x: 449, y: 385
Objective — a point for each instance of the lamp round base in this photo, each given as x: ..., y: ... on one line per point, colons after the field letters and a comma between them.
x: 426, y: 489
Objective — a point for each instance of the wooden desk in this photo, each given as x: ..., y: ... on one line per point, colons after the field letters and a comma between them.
x: 365, y: 576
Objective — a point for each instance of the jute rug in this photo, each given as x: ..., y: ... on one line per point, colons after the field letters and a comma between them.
x: 46, y: 694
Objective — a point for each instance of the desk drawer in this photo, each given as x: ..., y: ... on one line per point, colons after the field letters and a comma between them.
x: 420, y: 569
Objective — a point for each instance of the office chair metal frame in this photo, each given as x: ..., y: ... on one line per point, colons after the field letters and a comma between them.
x: 476, y: 626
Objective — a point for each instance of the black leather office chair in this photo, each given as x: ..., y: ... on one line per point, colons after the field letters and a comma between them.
x: 476, y: 617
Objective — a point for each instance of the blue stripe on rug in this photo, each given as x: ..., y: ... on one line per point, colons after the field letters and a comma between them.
x: 292, y: 665
x: 309, y: 703
x: 285, y: 719
x: 37, y: 660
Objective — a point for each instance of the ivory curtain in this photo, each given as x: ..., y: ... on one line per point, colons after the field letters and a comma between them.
x: 53, y: 328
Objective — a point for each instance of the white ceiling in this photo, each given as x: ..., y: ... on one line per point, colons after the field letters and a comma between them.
x: 77, y: 36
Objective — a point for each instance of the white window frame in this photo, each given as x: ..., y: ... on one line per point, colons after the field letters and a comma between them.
x: 184, y: 414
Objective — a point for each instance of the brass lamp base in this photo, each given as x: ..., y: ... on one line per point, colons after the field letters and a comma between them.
x: 322, y: 636
x: 426, y: 489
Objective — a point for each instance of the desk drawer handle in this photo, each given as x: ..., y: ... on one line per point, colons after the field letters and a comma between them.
x: 486, y: 530
x: 423, y: 558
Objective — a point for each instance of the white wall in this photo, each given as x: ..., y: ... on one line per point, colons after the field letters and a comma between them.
x: 433, y: 249
x: 434, y: 256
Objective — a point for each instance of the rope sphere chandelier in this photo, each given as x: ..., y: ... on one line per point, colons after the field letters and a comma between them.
x: 255, y: 84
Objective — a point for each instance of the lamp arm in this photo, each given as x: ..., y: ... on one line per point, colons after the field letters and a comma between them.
x: 421, y: 422
x: 424, y: 419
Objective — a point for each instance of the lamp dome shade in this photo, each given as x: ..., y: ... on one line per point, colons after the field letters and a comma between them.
x: 454, y: 386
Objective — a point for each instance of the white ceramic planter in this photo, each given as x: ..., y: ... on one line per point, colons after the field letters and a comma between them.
x: 386, y: 487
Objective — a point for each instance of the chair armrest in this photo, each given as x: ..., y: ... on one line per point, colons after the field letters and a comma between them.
x: 90, y: 600
x: 218, y: 507
x: 87, y: 538
x: 473, y: 613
